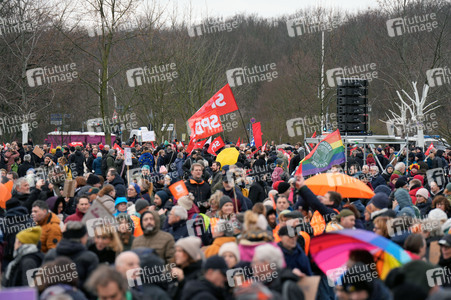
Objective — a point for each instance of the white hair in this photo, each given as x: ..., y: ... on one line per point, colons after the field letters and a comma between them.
x: 374, y: 168
x: 180, y: 211
x: 269, y: 254
x: 400, y: 166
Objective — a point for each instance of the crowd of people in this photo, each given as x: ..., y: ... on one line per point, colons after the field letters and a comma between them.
x: 243, y: 231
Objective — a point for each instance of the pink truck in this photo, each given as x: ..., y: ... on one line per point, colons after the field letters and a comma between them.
x: 60, y: 138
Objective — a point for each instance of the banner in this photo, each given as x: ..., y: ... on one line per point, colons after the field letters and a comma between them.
x: 257, y: 133
x: 217, y: 144
x: 205, y: 125
x: 429, y: 149
x: 330, y: 151
x: 223, y: 101
x: 118, y: 149
x: 238, y: 143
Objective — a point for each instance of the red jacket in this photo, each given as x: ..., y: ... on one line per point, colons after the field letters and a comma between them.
x: 77, y: 216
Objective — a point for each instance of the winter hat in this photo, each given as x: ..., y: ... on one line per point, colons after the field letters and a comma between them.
x: 406, y: 211
x: 141, y: 204
x: 393, y: 176
x: 283, y: 187
x: 12, y: 203
x: 147, y: 167
x: 388, y: 166
x: 99, y: 154
x: 224, y: 200
x: 215, y: 262
x: 400, y: 183
x: 416, y: 272
x: 275, y: 185
x: 423, y: 192
x: 437, y: 214
x: 262, y: 223
x: 93, y: 179
x: 186, y: 202
x: 137, y: 188
x: 48, y: 155
x: 120, y: 200
x: 403, y: 198
x: 420, y: 178
x: 383, y: 189
x: 163, y: 196
x: 72, y: 233
x: 344, y: 213
x: 191, y: 245
x: 30, y: 235
x: 231, y: 247
x: 380, y: 200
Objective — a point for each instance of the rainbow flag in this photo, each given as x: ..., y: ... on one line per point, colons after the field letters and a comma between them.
x: 330, y: 151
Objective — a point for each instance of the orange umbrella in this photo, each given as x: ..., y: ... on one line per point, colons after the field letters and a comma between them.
x: 347, y: 186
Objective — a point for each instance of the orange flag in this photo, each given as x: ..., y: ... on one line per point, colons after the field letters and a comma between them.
x: 178, y: 189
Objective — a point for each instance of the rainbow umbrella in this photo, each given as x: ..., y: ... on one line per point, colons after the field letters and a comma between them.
x: 331, y: 250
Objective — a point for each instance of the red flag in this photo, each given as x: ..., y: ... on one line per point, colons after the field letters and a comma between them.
x: 257, y: 131
x: 190, y: 146
x: 118, y: 148
x: 313, y: 136
x: 153, y: 146
x: 205, y: 124
x: 238, y: 143
x: 286, y: 154
x: 429, y: 149
x: 264, y: 146
x: 133, y: 144
x: 51, y: 146
x: 217, y: 144
x: 223, y: 101
x: 200, y: 145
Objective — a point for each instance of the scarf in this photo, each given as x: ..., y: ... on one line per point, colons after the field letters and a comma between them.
x: 18, y: 254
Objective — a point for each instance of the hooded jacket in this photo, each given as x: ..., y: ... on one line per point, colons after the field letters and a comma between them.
x: 51, y: 232
x: 162, y: 242
x: 119, y: 186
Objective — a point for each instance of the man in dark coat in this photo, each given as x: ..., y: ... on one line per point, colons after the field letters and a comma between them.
x: 175, y: 223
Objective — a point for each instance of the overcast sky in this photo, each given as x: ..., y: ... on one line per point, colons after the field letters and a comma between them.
x: 264, y: 8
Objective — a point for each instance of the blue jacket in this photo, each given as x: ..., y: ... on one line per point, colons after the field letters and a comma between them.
x: 178, y: 230
x: 179, y: 165
x: 97, y: 166
x: 379, y: 180
x: 296, y: 258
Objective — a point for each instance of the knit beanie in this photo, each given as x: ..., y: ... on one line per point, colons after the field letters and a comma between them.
x: 186, y: 202
x: 137, y: 188
x: 400, y: 183
x: 30, y: 235
x: 383, y: 189
x: 393, y: 176
x: 423, y: 192
x: 93, y: 179
x: 437, y: 214
x: 191, y: 245
x: 73, y: 231
x: 345, y: 213
x: 224, y: 200
x: 380, y: 200
x: 283, y: 187
x: 403, y: 198
x: 140, y: 204
x: 163, y: 196
x: 232, y: 248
